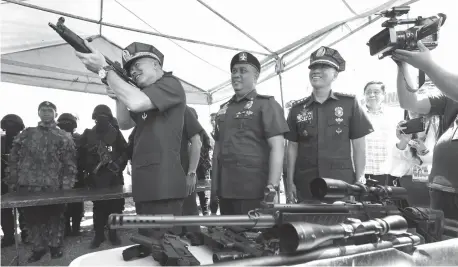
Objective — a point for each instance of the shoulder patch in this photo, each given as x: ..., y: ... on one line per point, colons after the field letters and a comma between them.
x: 298, y: 102
x: 344, y: 94
x: 225, y: 103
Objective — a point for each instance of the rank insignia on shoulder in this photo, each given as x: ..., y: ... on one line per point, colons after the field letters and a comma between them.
x: 298, y: 102
x: 344, y: 94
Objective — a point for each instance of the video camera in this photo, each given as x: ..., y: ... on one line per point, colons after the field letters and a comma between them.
x: 425, y: 29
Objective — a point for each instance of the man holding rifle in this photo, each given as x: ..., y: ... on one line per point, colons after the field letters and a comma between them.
x: 157, y: 112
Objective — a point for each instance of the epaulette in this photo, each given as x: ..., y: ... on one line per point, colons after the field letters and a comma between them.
x: 344, y: 94
x: 225, y: 103
x: 300, y: 101
x: 264, y: 96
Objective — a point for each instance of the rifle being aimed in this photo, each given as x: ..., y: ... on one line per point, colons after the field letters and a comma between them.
x: 78, y: 44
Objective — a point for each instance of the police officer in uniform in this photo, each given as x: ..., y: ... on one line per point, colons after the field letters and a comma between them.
x: 75, y: 211
x: 103, y: 152
x: 249, y: 142
x: 157, y: 112
x: 324, y: 128
x: 12, y: 124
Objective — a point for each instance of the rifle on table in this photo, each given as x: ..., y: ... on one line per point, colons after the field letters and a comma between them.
x: 272, y: 214
x: 78, y: 44
x: 173, y: 251
x: 231, y: 243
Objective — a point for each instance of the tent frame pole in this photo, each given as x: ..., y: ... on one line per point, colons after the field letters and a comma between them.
x: 132, y: 29
x: 235, y: 26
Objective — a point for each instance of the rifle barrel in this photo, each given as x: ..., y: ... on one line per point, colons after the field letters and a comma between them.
x: 120, y: 221
x: 324, y: 253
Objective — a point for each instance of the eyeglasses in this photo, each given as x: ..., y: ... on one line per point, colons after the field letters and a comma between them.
x: 373, y: 92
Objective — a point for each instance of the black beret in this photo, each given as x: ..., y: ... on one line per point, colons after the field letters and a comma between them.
x: 12, y: 118
x: 246, y: 58
x: 101, y: 110
x: 139, y: 50
x: 68, y: 117
x: 47, y: 104
x: 327, y: 56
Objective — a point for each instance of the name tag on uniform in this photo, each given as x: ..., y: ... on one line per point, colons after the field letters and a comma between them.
x: 420, y: 174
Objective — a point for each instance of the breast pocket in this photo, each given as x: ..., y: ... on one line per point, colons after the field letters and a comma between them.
x: 338, y: 128
x: 306, y: 131
x: 245, y: 121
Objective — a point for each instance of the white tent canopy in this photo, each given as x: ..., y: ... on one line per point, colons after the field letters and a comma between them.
x: 197, y: 38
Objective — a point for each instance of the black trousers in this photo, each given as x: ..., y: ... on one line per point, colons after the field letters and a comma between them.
x: 102, y: 209
x: 230, y: 206
x: 190, y: 208
x: 445, y: 201
x: 157, y: 207
x: 7, y: 222
x: 73, y: 216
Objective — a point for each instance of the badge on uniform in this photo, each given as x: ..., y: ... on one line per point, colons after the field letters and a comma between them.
x: 305, y: 116
x: 109, y: 148
x: 338, y: 111
x: 144, y: 116
x: 249, y: 104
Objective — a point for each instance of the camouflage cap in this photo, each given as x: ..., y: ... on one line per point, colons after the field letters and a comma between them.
x: 246, y: 58
x: 48, y: 105
x: 327, y: 56
x: 140, y: 50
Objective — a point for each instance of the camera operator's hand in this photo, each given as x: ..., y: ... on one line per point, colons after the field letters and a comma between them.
x: 420, y: 60
x: 418, y: 144
x: 403, y: 138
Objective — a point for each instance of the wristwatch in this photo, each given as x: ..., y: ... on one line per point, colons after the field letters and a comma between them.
x: 103, y: 72
x: 192, y: 174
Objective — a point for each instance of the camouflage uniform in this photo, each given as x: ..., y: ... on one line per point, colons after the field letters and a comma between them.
x: 43, y: 159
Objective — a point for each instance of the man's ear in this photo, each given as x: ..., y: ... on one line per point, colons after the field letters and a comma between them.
x: 55, y: 116
x: 336, y: 74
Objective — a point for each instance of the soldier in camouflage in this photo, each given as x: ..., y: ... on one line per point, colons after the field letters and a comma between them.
x: 75, y: 211
x: 43, y: 159
x: 12, y: 124
x: 103, y: 151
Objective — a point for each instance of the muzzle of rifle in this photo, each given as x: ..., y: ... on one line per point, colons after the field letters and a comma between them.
x: 300, y: 236
x: 230, y: 256
x: 120, y: 221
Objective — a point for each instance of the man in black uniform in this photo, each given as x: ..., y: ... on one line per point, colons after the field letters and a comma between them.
x: 249, y: 143
x: 157, y: 112
x: 190, y: 154
x: 12, y: 124
x: 103, y: 153
x: 324, y: 128
x: 75, y: 211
